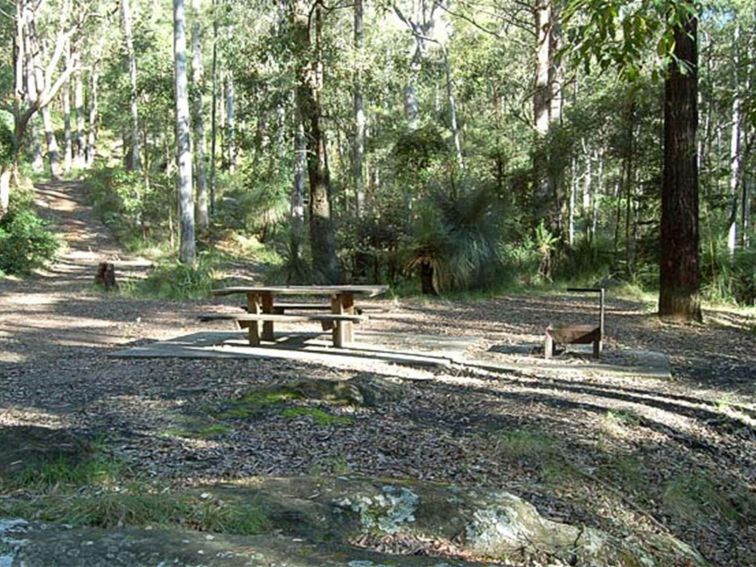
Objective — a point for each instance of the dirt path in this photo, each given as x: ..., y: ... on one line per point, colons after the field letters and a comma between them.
x: 584, y: 449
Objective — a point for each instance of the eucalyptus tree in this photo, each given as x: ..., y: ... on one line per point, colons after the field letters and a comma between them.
x: 187, y: 246
x: 198, y: 84
x: 615, y: 33
x: 133, y: 161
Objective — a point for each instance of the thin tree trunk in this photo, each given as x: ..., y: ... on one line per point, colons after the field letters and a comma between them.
x: 541, y: 93
x: 298, y: 187
x: 79, y: 140
x: 230, y: 122
x: 359, y: 110
x: 679, y: 267
x: 38, y: 162
x: 214, y: 111
x: 92, y: 117
x: 133, y: 161
x: 187, y: 250
x: 732, y: 232
x: 67, y: 138
x: 53, y: 151
x: 453, y: 111
x: 203, y: 220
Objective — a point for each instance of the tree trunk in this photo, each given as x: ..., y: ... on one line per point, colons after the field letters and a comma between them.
x: 79, y: 142
x: 38, y: 162
x: 735, y: 163
x: 214, y: 111
x: 298, y: 188
x: 133, y: 162
x: 322, y: 237
x: 230, y: 122
x: 359, y: 110
x: 187, y: 251
x: 679, y: 268
x: 67, y: 138
x: 203, y: 220
x: 541, y: 93
x: 92, y: 117
x: 53, y: 152
x: 453, y: 111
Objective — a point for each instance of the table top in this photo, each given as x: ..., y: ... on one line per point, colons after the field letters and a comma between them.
x: 365, y: 290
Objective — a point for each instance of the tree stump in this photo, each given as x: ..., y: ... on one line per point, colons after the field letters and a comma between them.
x: 105, y: 277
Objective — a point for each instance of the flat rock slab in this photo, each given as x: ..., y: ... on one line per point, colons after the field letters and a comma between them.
x: 24, y: 544
x: 415, y: 350
x: 624, y: 363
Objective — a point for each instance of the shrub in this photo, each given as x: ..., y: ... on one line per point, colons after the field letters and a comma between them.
x: 173, y: 280
x: 25, y: 242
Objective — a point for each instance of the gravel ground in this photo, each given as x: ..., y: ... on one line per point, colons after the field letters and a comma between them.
x: 626, y: 455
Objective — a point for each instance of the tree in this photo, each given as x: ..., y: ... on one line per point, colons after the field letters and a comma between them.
x: 674, y: 25
x: 198, y: 82
x: 187, y: 251
x: 309, y: 83
x: 133, y: 161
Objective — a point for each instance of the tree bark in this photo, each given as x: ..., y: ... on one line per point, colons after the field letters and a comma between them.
x: 298, y: 187
x: 735, y: 163
x: 322, y: 236
x: 679, y: 266
x: 214, y: 111
x: 230, y: 122
x: 53, y: 151
x: 187, y: 250
x: 133, y: 162
x: 67, y: 138
x: 92, y: 117
x: 79, y: 146
x: 203, y: 220
x: 359, y: 110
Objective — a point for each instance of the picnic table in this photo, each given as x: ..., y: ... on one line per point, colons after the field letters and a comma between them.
x: 262, y: 307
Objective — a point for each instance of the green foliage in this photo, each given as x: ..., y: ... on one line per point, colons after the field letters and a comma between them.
x: 7, y: 138
x: 174, y: 280
x: 138, y: 214
x: 295, y: 267
x: 25, y: 242
x: 98, y: 470
x: 254, y: 403
x: 730, y: 278
x: 458, y: 233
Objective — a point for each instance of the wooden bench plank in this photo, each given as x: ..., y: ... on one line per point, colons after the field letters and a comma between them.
x: 281, y: 318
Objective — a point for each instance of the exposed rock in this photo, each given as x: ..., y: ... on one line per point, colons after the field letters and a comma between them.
x: 362, y: 390
x: 25, y: 544
x: 479, y: 523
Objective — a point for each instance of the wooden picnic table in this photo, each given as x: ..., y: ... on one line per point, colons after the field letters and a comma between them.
x: 261, y: 307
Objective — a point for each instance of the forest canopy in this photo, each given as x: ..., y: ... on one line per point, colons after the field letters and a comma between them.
x: 444, y: 144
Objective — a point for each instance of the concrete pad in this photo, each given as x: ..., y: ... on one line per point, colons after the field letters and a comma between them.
x: 577, y: 359
x: 417, y: 350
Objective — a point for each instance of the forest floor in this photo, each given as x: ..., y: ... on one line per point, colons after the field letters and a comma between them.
x: 624, y: 454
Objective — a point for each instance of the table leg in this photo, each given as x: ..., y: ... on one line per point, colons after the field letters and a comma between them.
x: 253, y: 307
x: 343, y: 333
x: 267, y: 307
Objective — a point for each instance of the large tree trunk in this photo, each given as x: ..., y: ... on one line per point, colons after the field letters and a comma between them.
x: 322, y: 237
x: 359, y: 110
x: 679, y: 269
x: 133, y: 162
x: 203, y: 220
x: 187, y: 251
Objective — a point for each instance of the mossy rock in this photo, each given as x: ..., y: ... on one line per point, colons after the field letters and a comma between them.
x: 481, y: 523
x: 362, y: 390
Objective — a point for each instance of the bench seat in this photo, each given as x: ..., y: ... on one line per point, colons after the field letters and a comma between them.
x: 330, y: 321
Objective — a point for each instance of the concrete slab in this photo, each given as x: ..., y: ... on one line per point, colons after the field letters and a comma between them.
x: 417, y: 350
x: 578, y: 360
